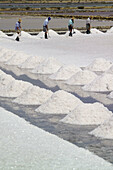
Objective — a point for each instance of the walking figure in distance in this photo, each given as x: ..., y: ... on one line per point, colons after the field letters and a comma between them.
x: 70, y: 26
x: 88, y: 26
x: 45, y: 26
x: 18, y: 29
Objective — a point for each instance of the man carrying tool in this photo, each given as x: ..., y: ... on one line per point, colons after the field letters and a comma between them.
x: 70, y: 26
x: 45, y: 26
x: 88, y: 22
x: 18, y: 29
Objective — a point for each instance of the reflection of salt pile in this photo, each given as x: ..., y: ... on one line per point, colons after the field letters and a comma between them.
x: 96, y: 31
x: 7, y: 55
x: 86, y: 114
x: 17, y: 59
x: 48, y: 66
x: 33, y: 96
x: 103, y: 82
x: 99, y: 64
x: 105, y: 130
x: 65, y: 72
x: 31, y: 62
x: 61, y: 102
x: 110, y: 30
x: 81, y: 78
x: 3, y: 34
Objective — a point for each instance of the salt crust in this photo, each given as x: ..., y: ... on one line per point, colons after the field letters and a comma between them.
x: 88, y: 114
x: 31, y: 62
x: 5, y: 80
x: 105, y: 130
x: 33, y: 95
x: 61, y: 102
x: 81, y: 78
x: 99, y: 64
x: 48, y: 66
x: 110, y: 70
x: 7, y: 55
x: 103, y: 82
x: 65, y: 72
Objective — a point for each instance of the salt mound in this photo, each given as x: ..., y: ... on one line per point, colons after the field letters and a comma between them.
x: 41, y: 34
x: 14, y: 88
x: 17, y: 59
x: 33, y: 96
x: 61, y: 102
x: 53, y: 33
x: 110, y: 95
x: 88, y: 114
x: 110, y: 30
x: 65, y: 72
x: 96, y: 31
x: 5, y: 80
x: 25, y: 34
x: 103, y: 82
x: 99, y: 64
x: 105, y: 130
x: 48, y: 66
x: 82, y: 78
x: 3, y: 34
x: 75, y: 32
x: 31, y: 62
x: 7, y: 55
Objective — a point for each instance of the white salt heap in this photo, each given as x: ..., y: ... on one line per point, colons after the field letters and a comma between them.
x: 105, y: 130
x: 65, y: 72
x: 3, y: 34
x: 33, y: 95
x: 48, y: 66
x: 61, y: 102
x: 103, y: 82
x: 110, y: 30
x: 74, y: 33
x: 25, y: 34
x: 99, y: 64
x: 88, y: 114
x: 82, y: 78
x: 7, y: 55
x: 17, y: 59
x: 31, y: 62
x: 96, y: 31
x: 5, y: 80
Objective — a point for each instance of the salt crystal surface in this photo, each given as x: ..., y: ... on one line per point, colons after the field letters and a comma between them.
x: 7, y: 55
x: 53, y: 33
x: 2, y: 34
x: 81, y: 78
x: 33, y: 95
x: 110, y: 30
x: 13, y: 88
x: 65, y: 72
x: 17, y: 59
x: 110, y: 95
x: 61, y: 102
x: 99, y: 64
x: 88, y: 114
x: 48, y: 66
x: 105, y: 130
x: 96, y: 31
x: 3, y: 51
x: 31, y: 62
x: 5, y: 80
x: 103, y: 82
x: 110, y: 70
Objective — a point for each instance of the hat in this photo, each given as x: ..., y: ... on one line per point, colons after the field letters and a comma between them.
x: 19, y: 20
x: 49, y: 18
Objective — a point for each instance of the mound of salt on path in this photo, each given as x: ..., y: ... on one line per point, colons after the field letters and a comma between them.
x: 17, y: 59
x: 105, y: 130
x: 110, y: 30
x: 25, y: 34
x: 81, y: 78
x: 61, y: 102
x: 14, y: 88
x: 33, y: 95
x: 53, y: 33
x: 65, y: 72
x: 103, y: 82
x: 48, y: 66
x: 88, y: 114
x: 99, y: 64
x: 31, y: 62
x: 96, y: 31
x: 3, y: 34
x: 7, y: 55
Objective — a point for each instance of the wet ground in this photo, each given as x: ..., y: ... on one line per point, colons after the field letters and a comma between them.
x: 76, y: 134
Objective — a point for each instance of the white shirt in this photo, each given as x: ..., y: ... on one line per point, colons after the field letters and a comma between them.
x: 88, y: 21
x: 46, y: 22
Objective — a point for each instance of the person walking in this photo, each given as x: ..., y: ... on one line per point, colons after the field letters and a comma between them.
x: 88, y: 25
x: 70, y: 26
x: 45, y: 26
x: 18, y: 29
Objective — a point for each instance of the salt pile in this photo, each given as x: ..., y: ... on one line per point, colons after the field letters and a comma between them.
x: 3, y: 34
x: 52, y: 33
x: 75, y: 32
x: 31, y: 62
x: 105, y: 130
x: 103, y: 82
x: 25, y: 34
x: 5, y: 80
x: 33, y: 95
x: 7, y: 55
x: 13, y: 88
x: 82, y: 78
x: 17, y: 59
x: 48, y: 66
x: 40, y: 35
x: 88, y: 114
x: 110, y: 30
x: 99, y: 64
x: 65, y: 72
x: 96, y: 31
x: 61, y: 102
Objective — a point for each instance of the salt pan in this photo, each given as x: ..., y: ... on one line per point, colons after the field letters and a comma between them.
x: 88, y: 114
x: 61, y: 102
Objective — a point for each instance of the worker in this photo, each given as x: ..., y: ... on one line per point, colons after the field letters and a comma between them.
x: 88, y: 25
x: 45, y: 26
x: 70, y: 26
x: 18, y: 29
